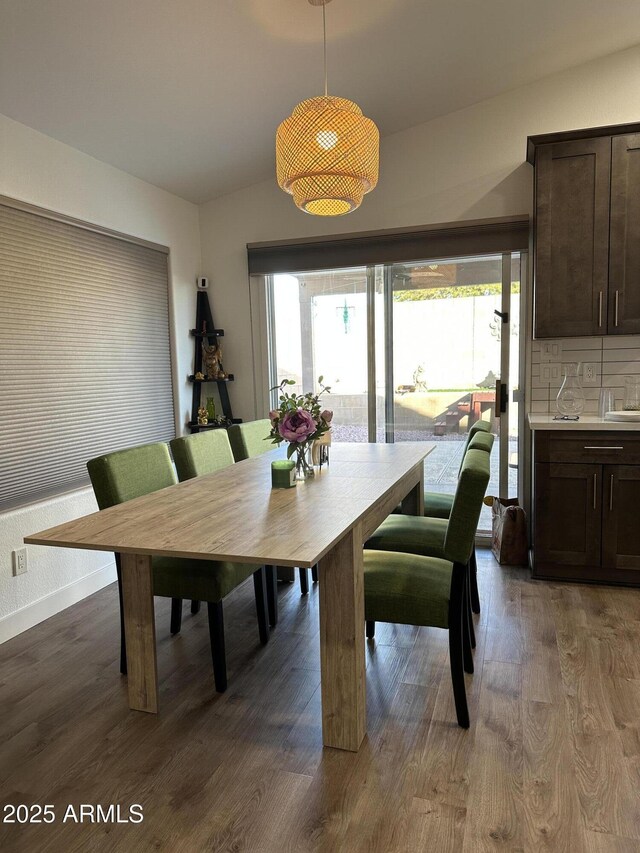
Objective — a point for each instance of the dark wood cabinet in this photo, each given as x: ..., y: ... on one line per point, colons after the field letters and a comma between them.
x: 567, y: 519
x: 586, y: 232
x: 585, y: 524
x: 624, y: 245
x: 620, y: 529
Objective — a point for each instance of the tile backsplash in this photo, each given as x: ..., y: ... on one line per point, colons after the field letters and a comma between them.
x: 615, y: 357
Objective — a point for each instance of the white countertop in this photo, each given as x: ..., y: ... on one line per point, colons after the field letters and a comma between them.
x: 586, y: 422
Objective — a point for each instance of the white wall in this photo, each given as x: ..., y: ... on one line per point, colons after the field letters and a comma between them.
x: 465, y: 165
x: 44, y: 172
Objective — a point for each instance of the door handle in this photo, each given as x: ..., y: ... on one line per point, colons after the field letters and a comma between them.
x: 602, y: 447
x: 611, y: 495
x: 615, y: 322
x: 595, y: 489
x: 502, y: 397
x: 600, y: 309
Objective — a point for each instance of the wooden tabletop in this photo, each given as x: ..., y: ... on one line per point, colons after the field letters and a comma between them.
x: 235, y: 515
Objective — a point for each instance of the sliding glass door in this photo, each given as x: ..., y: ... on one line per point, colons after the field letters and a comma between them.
x: 412, y: 352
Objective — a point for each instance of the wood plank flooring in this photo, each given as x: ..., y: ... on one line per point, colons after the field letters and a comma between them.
x: 551, y: 761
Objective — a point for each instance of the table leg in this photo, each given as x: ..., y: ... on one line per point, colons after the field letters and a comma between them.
x: 342, y: 643
x: 413, y: 503
x: 140, y: 632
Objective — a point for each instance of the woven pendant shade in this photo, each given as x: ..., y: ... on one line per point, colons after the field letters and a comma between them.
x: 327, y: 155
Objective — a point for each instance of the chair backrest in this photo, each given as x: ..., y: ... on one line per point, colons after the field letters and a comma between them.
x: 127, y: 474
x: 248, y: 439
x: 201, y: 453
x: 479, y: 427
x: 467, y: 504
x: 482, y: 441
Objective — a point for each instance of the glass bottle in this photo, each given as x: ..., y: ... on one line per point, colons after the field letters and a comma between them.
x: 571, y: 399
x: 211, y: 408
x: 631, y: 393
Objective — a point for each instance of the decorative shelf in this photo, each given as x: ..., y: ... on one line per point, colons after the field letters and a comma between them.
x: 195, y: 425
x: 214, y: 333
x: 192, y: 378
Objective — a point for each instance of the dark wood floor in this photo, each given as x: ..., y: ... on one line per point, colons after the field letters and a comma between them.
x: 551, y: 762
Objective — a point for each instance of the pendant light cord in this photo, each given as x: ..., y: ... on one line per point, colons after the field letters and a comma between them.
x: 324, y: 34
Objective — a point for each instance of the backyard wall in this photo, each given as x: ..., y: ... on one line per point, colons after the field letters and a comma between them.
x: 465, y: 165
x: 47, y: 173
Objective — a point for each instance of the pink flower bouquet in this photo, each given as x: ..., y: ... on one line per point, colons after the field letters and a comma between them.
x: 299, y: 420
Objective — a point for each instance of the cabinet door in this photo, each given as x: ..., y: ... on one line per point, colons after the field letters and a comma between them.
x: 572, y: 237
x: 620, y: 533
x: 624, y: 238
x: 568, y: 504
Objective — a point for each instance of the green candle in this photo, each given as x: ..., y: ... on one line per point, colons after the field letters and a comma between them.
x: 282, y: 474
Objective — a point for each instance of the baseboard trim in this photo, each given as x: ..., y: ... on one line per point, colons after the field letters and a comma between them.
x: 55, y: 602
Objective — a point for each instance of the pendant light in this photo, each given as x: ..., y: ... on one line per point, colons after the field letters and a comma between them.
x: 327, y: 151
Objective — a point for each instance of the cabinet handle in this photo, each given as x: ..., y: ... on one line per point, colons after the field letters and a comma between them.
x: 603, y: 447
x: 611, y: 495
x: 600, y: 309
x: 595, y: 489
x: 615, y: 322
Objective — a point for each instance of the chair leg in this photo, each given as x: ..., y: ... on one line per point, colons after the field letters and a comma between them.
x: 272, y: 594
x: 123, y: 641
x: 304, y: 581
x: 260, y: 588
x: 456, y: 603
x: 467, y: 656
x: 195, y: 607
x: 473, y: 580
x: 472, y: 632
x: 370, y: 629
x: 176, y: 616
x: 216, y: 634
x: 314, y: 573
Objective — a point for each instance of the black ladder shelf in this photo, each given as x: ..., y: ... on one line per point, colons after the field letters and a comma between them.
x: 205, y: 329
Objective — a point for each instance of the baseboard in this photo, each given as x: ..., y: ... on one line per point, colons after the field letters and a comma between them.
x: 47, y: 606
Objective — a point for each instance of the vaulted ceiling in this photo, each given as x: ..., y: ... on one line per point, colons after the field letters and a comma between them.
x: 187, y: 94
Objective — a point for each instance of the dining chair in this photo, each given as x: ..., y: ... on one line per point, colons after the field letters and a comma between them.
x: 426, y: 536
x: 412, y: 589
x: 126, y: 474
x: 438, y: 505
x: 201, y: 453
x: 248, y: 440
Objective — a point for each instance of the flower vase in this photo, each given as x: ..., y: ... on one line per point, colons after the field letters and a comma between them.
x: 304, y: 465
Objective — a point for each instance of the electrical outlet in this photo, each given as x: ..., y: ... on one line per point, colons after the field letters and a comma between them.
x: 19, y: 561
x: 589, y: 373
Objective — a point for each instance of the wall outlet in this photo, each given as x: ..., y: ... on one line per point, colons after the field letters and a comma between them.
x: 19, y: 561
x: 589, y: 373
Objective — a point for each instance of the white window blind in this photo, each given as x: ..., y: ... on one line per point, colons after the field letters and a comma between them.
x: 85, y: 363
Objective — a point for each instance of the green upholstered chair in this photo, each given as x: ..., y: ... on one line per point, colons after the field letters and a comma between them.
x: 426, y: 536
x: 248, y: 440
x: 427, y: 590
x: 437, y: 505
x: 201, y: 453
x: 127, y: 474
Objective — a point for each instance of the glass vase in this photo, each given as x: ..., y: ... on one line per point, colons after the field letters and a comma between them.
x: 211, y: 408
x: 304, y: 464
x: 571, y: 399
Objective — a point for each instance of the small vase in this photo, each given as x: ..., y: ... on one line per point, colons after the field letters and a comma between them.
x: 571, y: 399
x: 304, y: 465
x: 211, y: 408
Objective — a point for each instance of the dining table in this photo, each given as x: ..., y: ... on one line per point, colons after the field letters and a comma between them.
x: 234, y: 514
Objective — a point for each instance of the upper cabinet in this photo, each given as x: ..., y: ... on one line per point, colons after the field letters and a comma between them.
x: 586, y: 232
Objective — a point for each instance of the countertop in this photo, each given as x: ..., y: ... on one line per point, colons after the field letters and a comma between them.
x: 587, y: 422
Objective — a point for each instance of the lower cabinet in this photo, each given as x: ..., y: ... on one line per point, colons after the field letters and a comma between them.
x: 586, y: 512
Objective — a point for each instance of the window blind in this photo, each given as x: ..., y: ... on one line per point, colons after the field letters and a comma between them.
x: 448, y: 240
x: 85, y: 361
